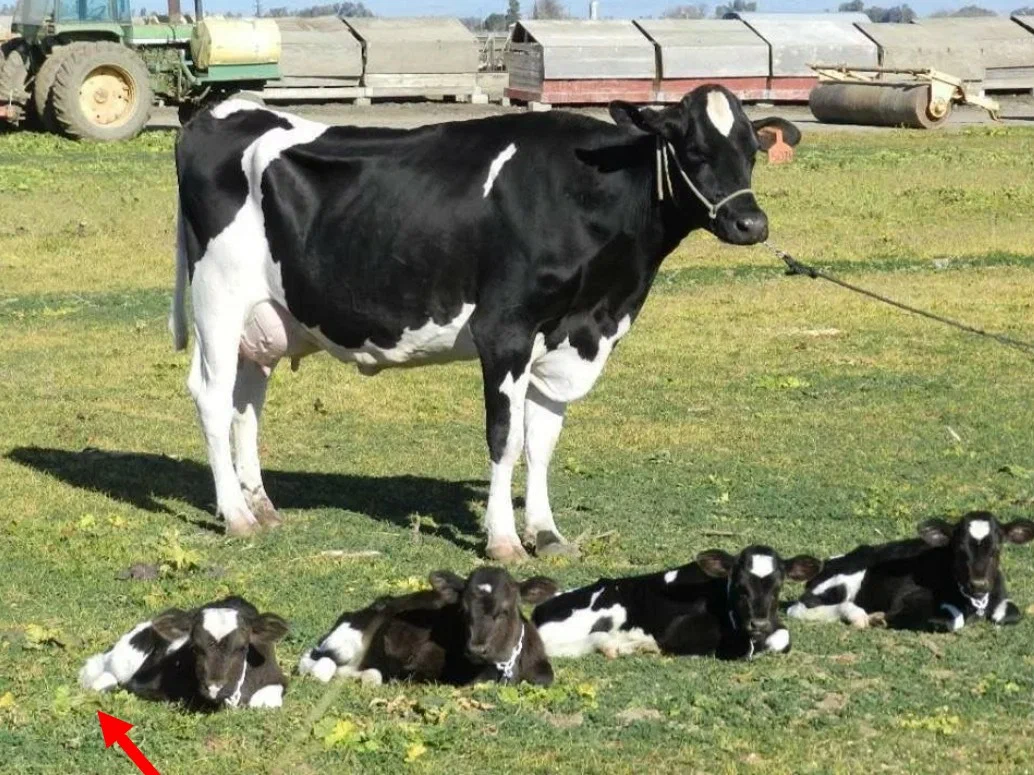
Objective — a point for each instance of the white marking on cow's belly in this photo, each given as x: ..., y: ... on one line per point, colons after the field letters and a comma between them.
x: 497, y: 166
x: 562, y: 374
x: 219, y: 622
x: 720, y: 112
x: 572, y: 637
x: 430, y: 343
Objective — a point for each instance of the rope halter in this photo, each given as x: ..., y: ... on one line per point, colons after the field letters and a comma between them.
x: 978, y: 603
x: 235, y: 699
x: 665, y: 156
x: 506, y: 668
x: 732, y: 619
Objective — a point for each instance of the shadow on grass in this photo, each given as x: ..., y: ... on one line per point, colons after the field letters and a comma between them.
x: 141, y: 479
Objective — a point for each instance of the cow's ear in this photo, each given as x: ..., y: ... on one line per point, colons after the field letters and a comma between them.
x: 803, y: 567
x: 173, y: 624
x: 935, y: 532
x: 716, y: 563
x: 791, y: 134
x: 538, y: 589
x: 268, y: 628
x: 1019, y: 531
x: 667, y: 123
x: 447, y: 584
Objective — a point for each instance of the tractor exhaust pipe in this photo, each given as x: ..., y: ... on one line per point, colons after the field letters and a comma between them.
x: 199, y: 10
x: 175, y: 13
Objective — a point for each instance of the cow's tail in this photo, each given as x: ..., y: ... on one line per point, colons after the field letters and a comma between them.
x: 178, y: 313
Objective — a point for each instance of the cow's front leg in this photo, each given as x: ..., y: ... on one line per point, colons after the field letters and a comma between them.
x: 543, y: 421
x: 249, y: 395
x: 506, y: 384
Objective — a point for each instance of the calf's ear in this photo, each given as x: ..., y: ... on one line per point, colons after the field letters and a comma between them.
x: 268, y: 628
x: 538, y: 589
x: 668, y: 123
x: 447, y: 584
x: 1019, y: 531
x: 716, y: 563
x: 803, y: 567
x: 791, y: 134
x: 173, y: 624
x: 935, y: 532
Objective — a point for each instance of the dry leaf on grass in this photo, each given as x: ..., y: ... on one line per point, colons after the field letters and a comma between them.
x: 632, y: 715
x: 565, y: 720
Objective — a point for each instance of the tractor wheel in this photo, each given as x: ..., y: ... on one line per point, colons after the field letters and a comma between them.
x: 42, y: 97
x: 14, y: 80
x: 102, y: 92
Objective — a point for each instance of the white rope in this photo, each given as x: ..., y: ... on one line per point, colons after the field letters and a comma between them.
x: 664, y: 150
x: 235, y: 699
x: 507, y: 667
x: 979, y: 603
x: 732, y: 619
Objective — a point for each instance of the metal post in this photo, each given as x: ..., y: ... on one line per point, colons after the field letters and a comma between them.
x: 594, y: 10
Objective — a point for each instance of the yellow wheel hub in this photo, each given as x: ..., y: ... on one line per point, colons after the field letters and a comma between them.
x: 107, y: 96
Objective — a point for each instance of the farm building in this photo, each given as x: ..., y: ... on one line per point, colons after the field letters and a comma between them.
x: 580, y: 62
x: 691, y: 52
x: 913, y: 47
x: 796, y: 40
x: 319, y: 53
x: 1006, y: 48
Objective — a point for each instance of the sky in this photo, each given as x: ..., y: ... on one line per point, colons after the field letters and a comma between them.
x: 612, y: 8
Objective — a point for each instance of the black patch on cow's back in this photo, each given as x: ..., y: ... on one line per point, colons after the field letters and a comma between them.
x: 209, y: 164
x: 603, y: 624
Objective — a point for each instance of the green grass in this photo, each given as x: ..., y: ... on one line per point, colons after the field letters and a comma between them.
x: 745, y: 406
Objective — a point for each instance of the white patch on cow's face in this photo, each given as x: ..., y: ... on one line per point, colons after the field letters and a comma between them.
x: 720, y: 112
x: 979, y: 529
x: 762, y: 565
x: 212, y: 690
x: 958, y: 621
x: 670, y: 576
x: 562, y: 374
x: 268, y: 697
x: 778, y: 641
x: 1000, y: 611
x: 219, y: 622
x: 485, y: 588
x: 497, y: 166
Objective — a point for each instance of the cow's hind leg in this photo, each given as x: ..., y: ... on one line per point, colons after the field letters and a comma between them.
x: 505, y: 371
x: 249, y: 394
x: 213, y: 375
x: 543, y: 421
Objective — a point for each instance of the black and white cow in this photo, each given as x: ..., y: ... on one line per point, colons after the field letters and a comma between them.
x: 719, y: 605
x: 219, y: 655
x: 461, y: 631
x: 936, y: 582
x: 528, y: 242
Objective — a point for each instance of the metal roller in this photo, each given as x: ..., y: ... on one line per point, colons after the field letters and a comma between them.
x: 876, y: 104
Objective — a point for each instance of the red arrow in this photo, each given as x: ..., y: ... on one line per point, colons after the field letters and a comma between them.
x: 114, y: 731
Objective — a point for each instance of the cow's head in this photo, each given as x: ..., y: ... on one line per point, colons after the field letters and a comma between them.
x: 220, y: 635
x: 756, y: 577
x: 490, y: 599
x: 976, y: 546
x: 714, y: 144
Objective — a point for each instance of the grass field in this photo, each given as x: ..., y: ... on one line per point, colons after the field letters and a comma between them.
x: 745, y: 406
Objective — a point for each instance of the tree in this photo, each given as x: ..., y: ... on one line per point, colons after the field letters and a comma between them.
x: 513, y: 12
x: 495, y: 22
x: 549, y: 9
x: 1027, y: 10
x: 736, y: 6
x: 855, y: 6
x: 698, y: 11
x: 472, y: 23
x: 964, y: 12
x: 899, y: 14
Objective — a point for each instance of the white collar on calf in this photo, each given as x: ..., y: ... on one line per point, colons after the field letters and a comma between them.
x: 978, y: 603
x: 507, y: 667
x: 235, y: 699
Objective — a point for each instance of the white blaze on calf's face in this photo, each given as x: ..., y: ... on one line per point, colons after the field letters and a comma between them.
x: 219, y: 622
x: 720, y: 112
x: 762, y: 565
x: 979, y: 529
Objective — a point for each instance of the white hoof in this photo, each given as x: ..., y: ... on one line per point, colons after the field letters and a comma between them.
x: 268, y: 697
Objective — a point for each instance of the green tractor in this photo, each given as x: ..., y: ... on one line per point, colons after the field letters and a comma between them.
x: 90, y: 70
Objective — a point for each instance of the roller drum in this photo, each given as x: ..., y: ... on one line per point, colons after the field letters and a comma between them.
x: 875, y: 105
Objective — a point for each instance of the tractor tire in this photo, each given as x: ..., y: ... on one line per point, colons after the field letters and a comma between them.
x: 42, y: 96
x: 14, y: 81
x: 102, y: 92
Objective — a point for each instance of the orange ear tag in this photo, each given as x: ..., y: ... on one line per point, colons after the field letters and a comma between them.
x: 779, y: 152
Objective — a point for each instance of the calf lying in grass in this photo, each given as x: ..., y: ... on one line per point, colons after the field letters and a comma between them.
x: 719, y: 605
x: 221, y: 654
x: 936, y: 582
x: 461, y: 631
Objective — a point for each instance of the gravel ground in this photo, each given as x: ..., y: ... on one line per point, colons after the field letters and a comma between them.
x: 1015, y: 111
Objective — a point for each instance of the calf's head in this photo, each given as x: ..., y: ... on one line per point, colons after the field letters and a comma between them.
x: 756, y: 577
x: 709, y: 140
x: 976, y: 545
x: 220, y: 635
x: 490, y: 599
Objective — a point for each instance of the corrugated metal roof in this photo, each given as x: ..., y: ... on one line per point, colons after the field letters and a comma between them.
x: 416, y: 46
x: 418, y: 28
x: 704, y: 48
x: 912, y: 46
x: 583, y: 33
x: 800, y: 39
